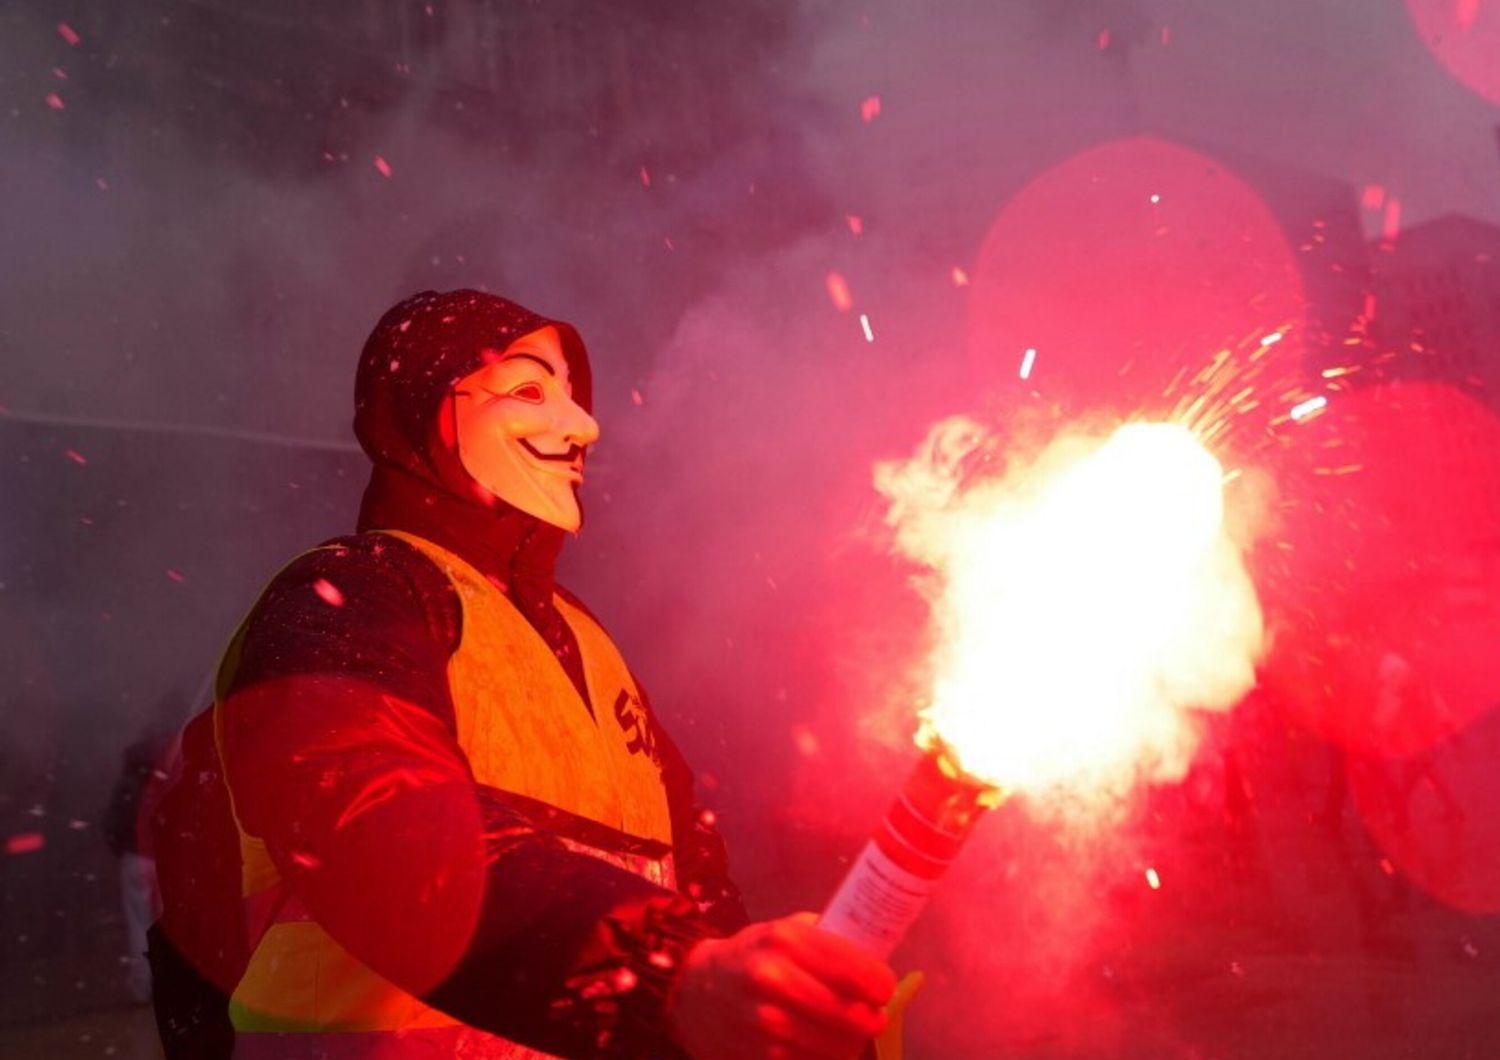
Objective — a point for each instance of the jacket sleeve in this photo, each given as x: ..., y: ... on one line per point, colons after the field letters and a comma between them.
x: 339, y: 748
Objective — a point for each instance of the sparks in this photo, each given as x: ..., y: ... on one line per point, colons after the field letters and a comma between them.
x: 960, y: 277
x: 645, y: 177
x: 77, y: 457
x: 328, y: 592
x: 1272, y: 339
x: 856, y: 223
x: 1153, y: 880
x: 869, y: 108
x: 1028, y: 359
x: 69, y: 34
x: 838, y: 291
x: 382, y: 167
x: 1305, y: 409
x: 864, y: 322
x: 55, y: 101
x: 1390, y: 225
x: 1372, y: 197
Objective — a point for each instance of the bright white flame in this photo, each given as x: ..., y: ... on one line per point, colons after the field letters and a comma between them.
x: 1084, y: 604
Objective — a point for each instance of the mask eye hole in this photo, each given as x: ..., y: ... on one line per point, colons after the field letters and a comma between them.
x: 531, y: 393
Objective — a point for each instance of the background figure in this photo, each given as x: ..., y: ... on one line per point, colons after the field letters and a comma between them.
x: 140, y: 900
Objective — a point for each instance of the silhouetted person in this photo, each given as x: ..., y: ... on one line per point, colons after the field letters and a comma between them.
x: 125, y: 830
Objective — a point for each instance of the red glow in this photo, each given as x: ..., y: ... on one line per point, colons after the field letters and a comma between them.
x: 1373, y: 197
x: 869, y: 108
x: 1463, y: 35
x: 1165, y: 285
x: 24, y: 843
x: 1384, y: 592
x: 804, y: 740
x: 855, y: 223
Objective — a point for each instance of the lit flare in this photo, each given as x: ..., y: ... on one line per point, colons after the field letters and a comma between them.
x: 1084, y: 604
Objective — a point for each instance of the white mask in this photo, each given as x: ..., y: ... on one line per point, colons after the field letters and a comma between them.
x: 520, y: 434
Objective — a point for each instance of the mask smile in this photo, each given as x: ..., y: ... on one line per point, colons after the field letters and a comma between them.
x: 569, y: 462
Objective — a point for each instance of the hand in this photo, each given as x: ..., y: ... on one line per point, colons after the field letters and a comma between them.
x: 780, y: 990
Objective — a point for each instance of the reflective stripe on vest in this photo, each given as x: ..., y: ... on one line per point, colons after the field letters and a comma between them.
x: 508, y: 691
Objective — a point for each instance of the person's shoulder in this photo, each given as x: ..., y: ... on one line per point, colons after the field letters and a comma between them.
x: 370, y: 558
x: 359, y: 576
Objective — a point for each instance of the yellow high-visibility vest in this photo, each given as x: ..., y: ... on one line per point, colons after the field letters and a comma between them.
x: 509, y: 693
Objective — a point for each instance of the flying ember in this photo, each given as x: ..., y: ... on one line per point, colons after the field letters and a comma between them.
x: 1085, y: 604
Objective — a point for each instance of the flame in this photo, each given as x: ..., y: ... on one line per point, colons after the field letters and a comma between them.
x: 1085, y: 604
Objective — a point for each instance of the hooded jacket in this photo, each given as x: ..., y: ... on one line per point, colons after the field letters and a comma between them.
x: 337, y: 733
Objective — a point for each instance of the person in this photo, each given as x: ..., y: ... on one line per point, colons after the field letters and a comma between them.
x: 125, y: 836
x: 462, y: 829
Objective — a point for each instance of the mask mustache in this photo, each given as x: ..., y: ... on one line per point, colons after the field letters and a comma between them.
x: 573, y: 453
